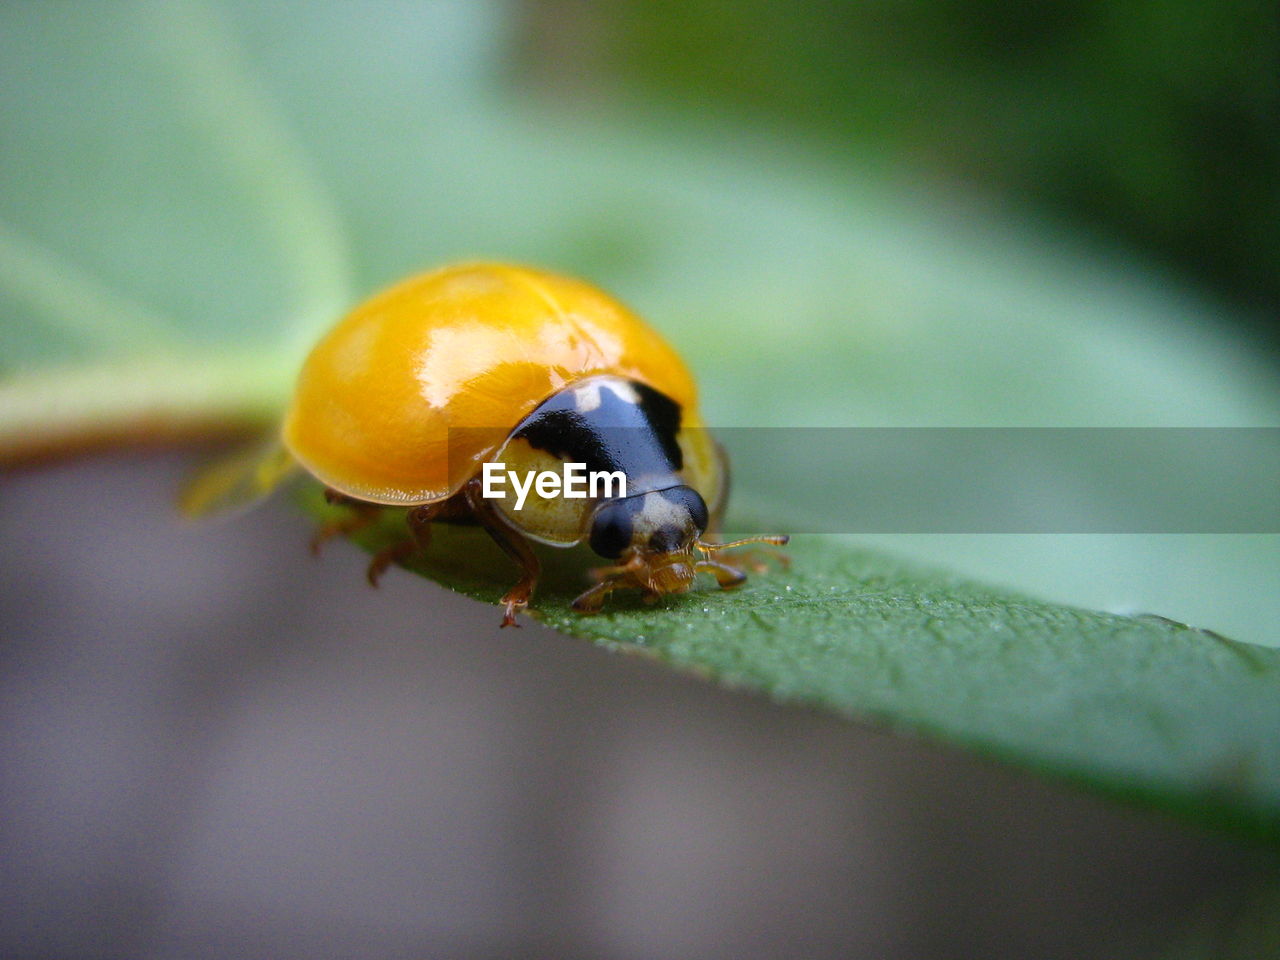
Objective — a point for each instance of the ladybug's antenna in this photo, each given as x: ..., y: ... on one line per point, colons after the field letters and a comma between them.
x: 777, y: 541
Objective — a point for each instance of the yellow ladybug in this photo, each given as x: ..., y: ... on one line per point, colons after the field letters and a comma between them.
x: 448, y: 393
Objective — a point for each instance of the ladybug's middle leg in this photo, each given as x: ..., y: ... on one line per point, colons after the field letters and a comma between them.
x: 514, y: 546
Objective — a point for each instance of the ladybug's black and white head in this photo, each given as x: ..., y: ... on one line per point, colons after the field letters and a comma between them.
x: 654, y: 533
x: 654, y: 536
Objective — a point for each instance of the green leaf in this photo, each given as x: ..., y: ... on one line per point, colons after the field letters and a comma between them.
x: 1141, y: 708
x: 193, y: 192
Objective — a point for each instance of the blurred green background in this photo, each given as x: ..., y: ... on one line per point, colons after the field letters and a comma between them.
x: 1151, y: 124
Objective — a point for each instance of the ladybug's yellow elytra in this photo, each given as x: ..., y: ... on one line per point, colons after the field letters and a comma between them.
x: 472, y: 347
x: 404, y: 402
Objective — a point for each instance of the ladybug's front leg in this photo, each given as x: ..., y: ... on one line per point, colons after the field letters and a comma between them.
x: 592, y: 599
x: 609, y: 579
x: 728, y: 577
x: 514, y: 546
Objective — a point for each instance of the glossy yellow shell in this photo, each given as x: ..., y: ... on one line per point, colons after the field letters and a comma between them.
x: 403, y: 400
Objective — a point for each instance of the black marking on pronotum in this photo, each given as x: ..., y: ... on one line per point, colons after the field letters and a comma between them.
x: 637, y: 438
x: 663, y: 414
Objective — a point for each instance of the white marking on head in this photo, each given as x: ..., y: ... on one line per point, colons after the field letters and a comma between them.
x: 657, y: 512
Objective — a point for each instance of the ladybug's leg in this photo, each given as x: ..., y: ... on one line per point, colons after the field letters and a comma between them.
x: 608, y: 579
x: 753, y: 559
x: 514, y: 546
x: 419, y: 521
x: 592, y: 600
x: 725, y: 575
x: 362, y: 515
x: 761, y: 559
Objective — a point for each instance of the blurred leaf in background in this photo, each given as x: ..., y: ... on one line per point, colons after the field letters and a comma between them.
x: 1154, y: 122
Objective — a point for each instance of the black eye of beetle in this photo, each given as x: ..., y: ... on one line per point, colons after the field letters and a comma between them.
x: 611, y: 529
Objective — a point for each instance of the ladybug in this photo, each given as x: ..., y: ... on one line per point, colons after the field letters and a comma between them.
x: 417, y: 397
